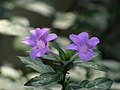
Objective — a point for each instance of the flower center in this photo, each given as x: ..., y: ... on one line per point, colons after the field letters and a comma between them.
x: 83, y: 48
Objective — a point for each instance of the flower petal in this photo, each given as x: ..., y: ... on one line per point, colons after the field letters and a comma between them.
x: 93, y: 42
x: 86, y: 56
x: 44, y: 32
x: 39, y: 33
x: 75, y: 39
x: 51, y: 37
x: 72, y: 47
x: 41, y: 52
x: 84, y: 37
x: 34, y: 33
x: 33, y: 53
x: 28, y: 41
x: 40, y: 44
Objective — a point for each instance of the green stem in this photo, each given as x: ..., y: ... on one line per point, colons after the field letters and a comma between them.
x: 63, y: 83
x: 88, y: 73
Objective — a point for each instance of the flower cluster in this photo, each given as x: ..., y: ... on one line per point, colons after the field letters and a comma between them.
x: 83, y: 45
x: 39, y: 39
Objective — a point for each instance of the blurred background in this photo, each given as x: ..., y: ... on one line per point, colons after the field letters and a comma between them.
x: 99, y: 18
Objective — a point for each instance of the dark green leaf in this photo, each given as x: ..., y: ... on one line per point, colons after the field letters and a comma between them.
x: 83, y: 83
x: 101, y: 83
x: 61, y: 52
x: 43, y: 79
x: 69, y: 88
x: 36, y: 65
x: 73, y: 86
x: 76, y: 85
x: 91, y: 65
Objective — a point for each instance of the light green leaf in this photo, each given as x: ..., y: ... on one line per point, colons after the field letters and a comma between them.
x: 36, y: 65
x: 96, y: 52
x: 49, y: 57
x: 91, y: 65
x: 70, y: 53
x: 43, y: 79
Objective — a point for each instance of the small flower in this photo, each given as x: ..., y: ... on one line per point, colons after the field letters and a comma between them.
x: 38, y: 40
x: 83, y: 45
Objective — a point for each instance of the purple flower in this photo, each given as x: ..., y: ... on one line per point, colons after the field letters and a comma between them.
x: 83, y: 45
x: 38, y: 40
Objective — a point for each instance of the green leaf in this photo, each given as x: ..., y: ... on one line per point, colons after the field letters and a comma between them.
x: 101, y: 83
x: 69, y: 88
x: 43, y: 79
x: 36, y: 65
x: 49, y: 57
x: 61, y: 52
x: 91, y: 65
x: 74, y: 58
x: 83, y: 83
x: 96, y: 52
x: 72, y: 86
x: 76, y: 85
x: 70, y: 53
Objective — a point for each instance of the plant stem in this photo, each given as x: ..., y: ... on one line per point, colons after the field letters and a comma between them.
x: 63, y: 83
x: 88, y: 73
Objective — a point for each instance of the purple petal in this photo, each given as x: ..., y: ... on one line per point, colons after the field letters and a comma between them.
x: 40, y: 44
x: 44, y: 31
x: 43, y: 34
x: 72, y: 47
x: 33, y: 53
x: 84, y: 48
x: 86, y: 56
x: 75, y: 39
x: 34, y: 33
x: 39, y: 33
x: 51, y: 37
x: 28, y: 41
x: 41, y: 52
x: 84, y: 37
x: 93, y: 42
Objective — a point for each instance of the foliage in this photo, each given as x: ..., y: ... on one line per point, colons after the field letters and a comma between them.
x: 56, y: 73
x: 101, y: 83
